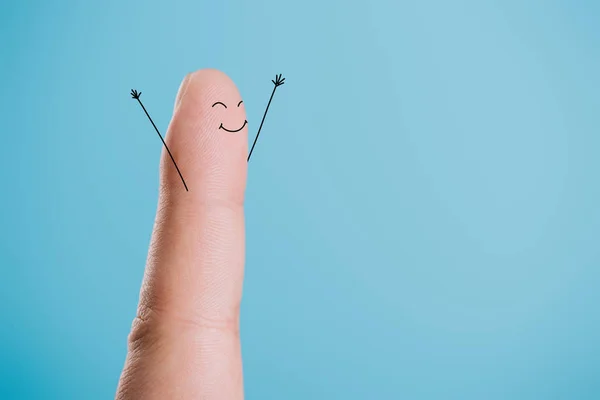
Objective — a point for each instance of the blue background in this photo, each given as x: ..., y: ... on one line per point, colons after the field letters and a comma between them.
x: 422, y: 209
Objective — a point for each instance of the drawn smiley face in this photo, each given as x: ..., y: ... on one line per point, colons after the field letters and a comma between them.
x: 221, y: 104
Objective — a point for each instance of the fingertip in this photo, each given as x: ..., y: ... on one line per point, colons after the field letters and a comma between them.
x: 207, y: 140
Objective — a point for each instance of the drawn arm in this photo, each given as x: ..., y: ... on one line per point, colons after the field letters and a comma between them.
x: 277, y: 82
x: 136, y: 95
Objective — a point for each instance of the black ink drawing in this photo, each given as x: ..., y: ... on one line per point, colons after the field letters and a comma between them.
x: 277, y: 82
x: 225, y: 129
x: 136, y: 95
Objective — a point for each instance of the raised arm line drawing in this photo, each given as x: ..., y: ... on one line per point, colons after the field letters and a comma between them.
x: 136, y: 95
x: 277, y: 82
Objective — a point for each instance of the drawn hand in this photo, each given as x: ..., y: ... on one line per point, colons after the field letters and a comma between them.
x: 278, y: 80
x: 135, y: 94
x: 184, y: 342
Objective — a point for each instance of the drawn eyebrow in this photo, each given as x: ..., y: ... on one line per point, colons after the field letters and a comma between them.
x: 241, y: 101
x: 218, y: 102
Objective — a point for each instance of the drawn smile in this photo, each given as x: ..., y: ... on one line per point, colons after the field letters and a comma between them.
x: 237, y: 130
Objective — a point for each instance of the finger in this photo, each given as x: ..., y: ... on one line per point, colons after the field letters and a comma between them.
x: 185, y: 341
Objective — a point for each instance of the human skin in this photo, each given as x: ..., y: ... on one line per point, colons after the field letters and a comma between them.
x: 184, y: 342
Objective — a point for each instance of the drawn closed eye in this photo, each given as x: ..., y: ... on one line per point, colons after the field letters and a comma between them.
x: 218, y: 102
